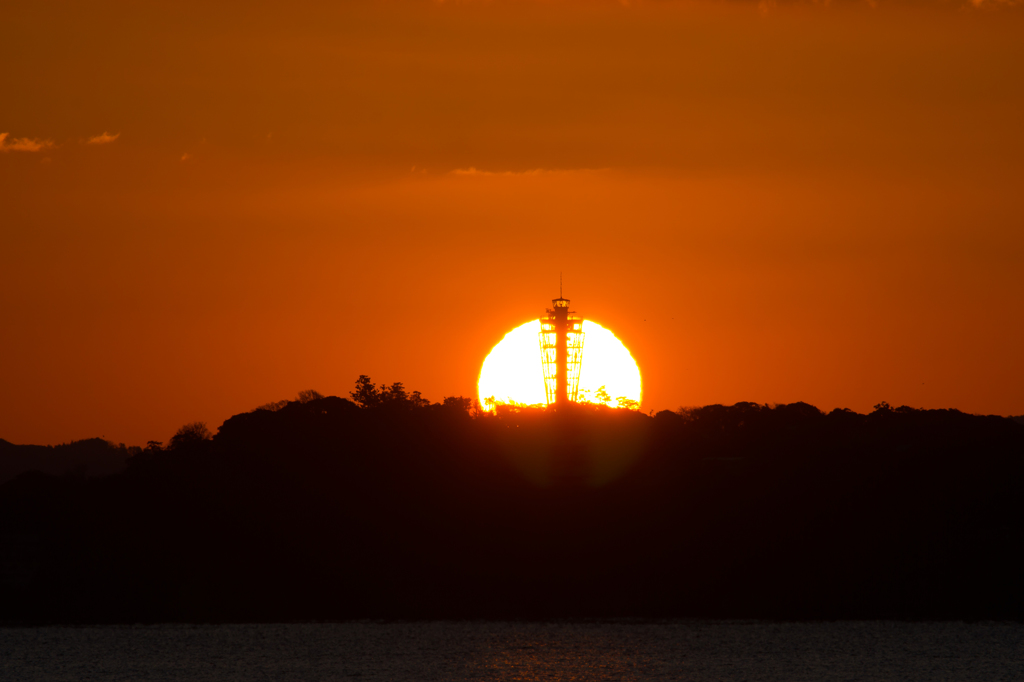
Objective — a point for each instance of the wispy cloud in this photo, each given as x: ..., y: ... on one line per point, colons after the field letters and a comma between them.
x: 476, y: 171
x: 186, y: 156
x: 23, y: 144
x: 472, y: 171
x: 989, y: 4
x: 103, y: 139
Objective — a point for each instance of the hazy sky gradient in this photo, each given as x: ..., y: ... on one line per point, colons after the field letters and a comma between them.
x: 209, y: 208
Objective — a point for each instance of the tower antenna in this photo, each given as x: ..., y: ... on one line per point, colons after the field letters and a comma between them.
x: 559, y: 285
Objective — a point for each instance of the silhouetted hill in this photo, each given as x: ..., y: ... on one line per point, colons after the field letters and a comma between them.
x: 325, y: 509
x: 92, y: 457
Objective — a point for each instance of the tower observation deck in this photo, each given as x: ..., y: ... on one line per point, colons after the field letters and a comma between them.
x: 561, y: 352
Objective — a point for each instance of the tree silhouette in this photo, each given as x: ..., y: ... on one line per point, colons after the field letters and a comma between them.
x: 395, y: 393
x: 627, y: 403
x: 190, y: 434
x: 365, y: 394
x: 458, y: 404
x: 306, y: 396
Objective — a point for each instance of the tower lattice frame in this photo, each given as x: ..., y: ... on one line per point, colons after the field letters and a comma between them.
x: 561, y: 351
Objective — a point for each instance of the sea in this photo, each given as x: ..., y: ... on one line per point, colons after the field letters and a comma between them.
x: 481, y: 650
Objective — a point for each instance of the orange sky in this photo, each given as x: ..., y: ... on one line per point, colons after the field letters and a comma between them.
x: 766, y: 201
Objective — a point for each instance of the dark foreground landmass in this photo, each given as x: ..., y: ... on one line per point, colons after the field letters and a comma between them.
x: 325, y: 509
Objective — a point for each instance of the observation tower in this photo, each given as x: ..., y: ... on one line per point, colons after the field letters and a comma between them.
x: 561, y: 352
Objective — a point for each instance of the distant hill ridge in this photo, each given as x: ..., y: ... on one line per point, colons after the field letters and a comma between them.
x: 91, y: 457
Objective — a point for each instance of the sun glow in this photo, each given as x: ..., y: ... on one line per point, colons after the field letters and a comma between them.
x: 512, y: 372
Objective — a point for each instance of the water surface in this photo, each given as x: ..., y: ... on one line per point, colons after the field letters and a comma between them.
x: 677, y: 650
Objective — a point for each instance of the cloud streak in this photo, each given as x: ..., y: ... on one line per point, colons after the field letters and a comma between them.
x: 23, y: 144
x: 105, y: 138
x: 476, y: 172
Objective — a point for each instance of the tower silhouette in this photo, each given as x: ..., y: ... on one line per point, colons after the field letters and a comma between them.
x: 561, y: 351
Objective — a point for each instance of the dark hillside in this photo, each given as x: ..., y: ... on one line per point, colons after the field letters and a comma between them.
x: 324, y: 509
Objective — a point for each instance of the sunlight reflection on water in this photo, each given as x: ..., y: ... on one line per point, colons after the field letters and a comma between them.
x: 680, y: 650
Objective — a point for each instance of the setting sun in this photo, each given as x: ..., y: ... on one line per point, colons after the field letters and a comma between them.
x: 512, y: 372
